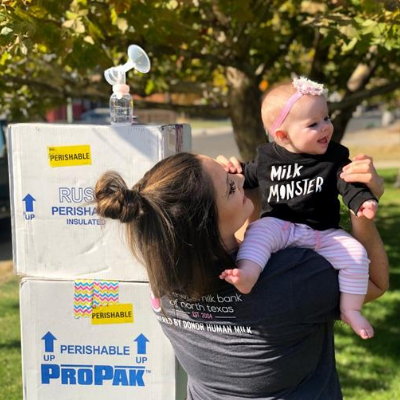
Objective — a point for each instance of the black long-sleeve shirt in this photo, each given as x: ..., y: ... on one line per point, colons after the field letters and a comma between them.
x: 304, y: 188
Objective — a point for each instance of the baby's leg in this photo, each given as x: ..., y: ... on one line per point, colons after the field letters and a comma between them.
x: 263, y: 237
x: 350, y: 313
x: 244, y: 276
x: 348, y: 256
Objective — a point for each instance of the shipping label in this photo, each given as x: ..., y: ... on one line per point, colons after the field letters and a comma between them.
x: 116, y: 314
x: 69, y: 156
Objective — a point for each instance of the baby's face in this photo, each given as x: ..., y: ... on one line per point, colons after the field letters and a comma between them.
x: 308, y: 126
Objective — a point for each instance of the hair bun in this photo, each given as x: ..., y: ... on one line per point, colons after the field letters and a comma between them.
x: 129, y: 195
x: 131, y: 204
x: 115, y: 200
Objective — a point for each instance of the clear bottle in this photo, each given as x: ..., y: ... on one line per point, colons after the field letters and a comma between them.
x: 121, y: 105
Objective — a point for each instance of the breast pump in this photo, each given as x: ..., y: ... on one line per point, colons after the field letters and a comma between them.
x: 121, y: 104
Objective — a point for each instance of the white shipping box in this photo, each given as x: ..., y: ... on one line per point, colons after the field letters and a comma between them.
x: 57, y: 233
x: 119, y: 354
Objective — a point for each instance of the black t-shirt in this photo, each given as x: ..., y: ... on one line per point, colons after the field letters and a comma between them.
x: 274, y: 343
x: 304, y: 188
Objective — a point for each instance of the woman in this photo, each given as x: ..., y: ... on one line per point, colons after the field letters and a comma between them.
x: 274, y: 343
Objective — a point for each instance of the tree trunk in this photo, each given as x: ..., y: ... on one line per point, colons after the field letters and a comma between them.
x: 244, y: 100
x: 340, y: 122
x: 397, y: 183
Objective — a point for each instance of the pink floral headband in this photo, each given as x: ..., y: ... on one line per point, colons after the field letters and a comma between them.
x: 303, y: 86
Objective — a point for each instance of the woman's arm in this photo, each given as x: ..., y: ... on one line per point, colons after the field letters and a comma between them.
x: 364, y: 230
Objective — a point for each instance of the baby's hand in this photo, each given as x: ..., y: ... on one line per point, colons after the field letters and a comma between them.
x: 368, y: 209
x: 232, y: 165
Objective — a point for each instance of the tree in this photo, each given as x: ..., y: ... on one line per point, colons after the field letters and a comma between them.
x: 227, y: 50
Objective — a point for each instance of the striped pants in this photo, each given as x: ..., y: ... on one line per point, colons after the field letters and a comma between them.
x: 346, y: 254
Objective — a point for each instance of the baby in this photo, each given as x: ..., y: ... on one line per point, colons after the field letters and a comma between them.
x: 299, y: 179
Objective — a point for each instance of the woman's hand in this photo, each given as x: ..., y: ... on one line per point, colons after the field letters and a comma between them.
x: 231, y: 166
x: 362, y: 169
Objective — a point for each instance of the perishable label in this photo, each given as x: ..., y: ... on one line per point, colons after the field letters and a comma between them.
x: 115, y: 314
x: 67, y: 156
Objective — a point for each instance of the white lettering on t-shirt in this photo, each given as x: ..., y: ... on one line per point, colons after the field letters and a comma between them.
x: 291, y: 188
x: 281, y: 172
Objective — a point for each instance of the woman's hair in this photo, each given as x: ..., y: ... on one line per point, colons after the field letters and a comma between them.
x: 172, y: 224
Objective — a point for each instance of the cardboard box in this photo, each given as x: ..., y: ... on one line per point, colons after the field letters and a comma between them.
x: 57, y: 233
x: 117, y: 351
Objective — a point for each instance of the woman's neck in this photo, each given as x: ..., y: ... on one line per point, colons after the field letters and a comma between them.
x: 231, y: 243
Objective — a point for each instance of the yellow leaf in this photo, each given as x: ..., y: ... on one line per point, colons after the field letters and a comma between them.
x: 172, y: 4
x: 79, y: 27
x: 349, y: 46
x: 88, y: 39
x: 348, y: 30
x: 83, y: 13
x: 122, y: 24
x: 41, y: 47
x: 71, y: 15
x: 6, y: 30
x: 113, y: 16
x: 23, y: 48
x: 312, y: 7
x: 219, y: 80
x: 68, y: 24
x: 4, y: 57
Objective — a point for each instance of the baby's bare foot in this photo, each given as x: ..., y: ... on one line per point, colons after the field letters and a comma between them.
x: 358, y: 323
x: 242, y: 279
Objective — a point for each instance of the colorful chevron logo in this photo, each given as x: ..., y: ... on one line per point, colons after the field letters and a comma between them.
x: 105, y: 293
x: 83, y: 298
x: 89, y: 294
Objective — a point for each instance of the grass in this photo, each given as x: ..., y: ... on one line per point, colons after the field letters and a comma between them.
x: 205, y: 124
x: 10, y: 343
x: 369, y: 370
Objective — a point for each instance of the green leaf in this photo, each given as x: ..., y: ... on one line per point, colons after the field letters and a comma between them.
x: 71, y: 15
x: 348, y: 30
x: 369, y: 26
x: 94, y: 30
x: 149, y: 86
x: 371, y: 6
x: 349, y: 46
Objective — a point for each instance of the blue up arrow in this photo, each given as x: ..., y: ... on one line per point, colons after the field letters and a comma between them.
x: 49, y: 339
x: 141, y: 343
x: 28, y: 199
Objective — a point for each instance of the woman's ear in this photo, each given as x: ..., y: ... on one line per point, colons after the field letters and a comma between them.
x: 282, y: 136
